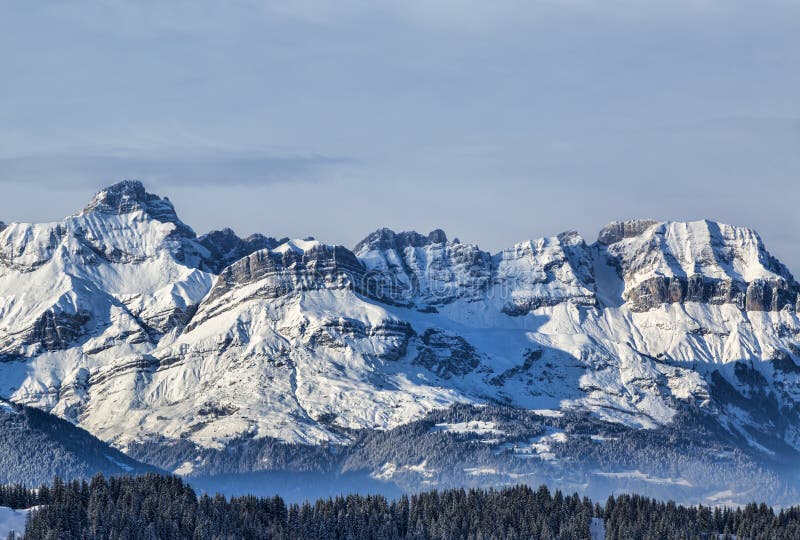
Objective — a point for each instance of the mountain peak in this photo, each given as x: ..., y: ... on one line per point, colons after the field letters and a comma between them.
x: 619, y: 230
x: 120, y: 198
x: 388, y: 239
x: 701, y: 229
x: 225, y: 247
x: 699, y: 261
x: 130, y: 196
x: 570, y: 238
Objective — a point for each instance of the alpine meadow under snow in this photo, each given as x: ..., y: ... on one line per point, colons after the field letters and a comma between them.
x: 662, y: 358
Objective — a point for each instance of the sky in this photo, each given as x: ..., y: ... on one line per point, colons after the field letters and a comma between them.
x: 496, y: 121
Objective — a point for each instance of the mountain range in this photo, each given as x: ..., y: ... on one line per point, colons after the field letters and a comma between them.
x: 662, y: 357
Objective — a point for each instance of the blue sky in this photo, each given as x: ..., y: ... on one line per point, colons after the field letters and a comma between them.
x: 497, y: 121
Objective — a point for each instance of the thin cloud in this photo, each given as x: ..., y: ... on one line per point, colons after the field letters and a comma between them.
x: 761, y: 125
x: 92, y: 170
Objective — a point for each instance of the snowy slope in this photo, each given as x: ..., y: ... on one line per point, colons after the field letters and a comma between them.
x: 12, y: 521
x: 121, y: 320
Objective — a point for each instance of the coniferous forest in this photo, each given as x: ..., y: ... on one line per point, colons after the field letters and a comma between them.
x: 154, y: 507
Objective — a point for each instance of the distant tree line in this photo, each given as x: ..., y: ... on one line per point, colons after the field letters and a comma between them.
x: 36, y: 446
x: 154, y: 507
x: 18, y: 496
x: 693, y: 448
x: 637, y: 517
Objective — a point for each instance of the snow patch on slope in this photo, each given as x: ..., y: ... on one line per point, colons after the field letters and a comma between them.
x: 13, y: 521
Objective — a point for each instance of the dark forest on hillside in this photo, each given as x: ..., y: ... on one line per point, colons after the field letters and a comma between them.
x: 153, y: 507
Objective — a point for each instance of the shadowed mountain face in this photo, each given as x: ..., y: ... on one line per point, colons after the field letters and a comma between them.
x: 121, y: 320
x: 225, y: 248
x: 35, y: 447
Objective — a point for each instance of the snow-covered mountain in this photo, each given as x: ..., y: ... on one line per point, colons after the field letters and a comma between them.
x: 123, y: 321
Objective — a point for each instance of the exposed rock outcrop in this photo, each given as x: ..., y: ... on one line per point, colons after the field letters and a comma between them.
x: 409, y: 268
x: 446, y: 354
x: 387, y: 239
x: 619, y: 230
x: 703, y: 261
x: 545, y: 272
x: 393, y: 335
x: 53, y: 330
x: 291, y: 267
x: 225, y: 248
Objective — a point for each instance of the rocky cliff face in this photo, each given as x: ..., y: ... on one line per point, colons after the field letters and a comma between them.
x: 705, y: 262
x: 428, y: 271
x: 225, y: 248
x: 424, y: 271
x: 120, y: 319
x: 545, y: 272
x: 130, y: 197
x: 293, y: 267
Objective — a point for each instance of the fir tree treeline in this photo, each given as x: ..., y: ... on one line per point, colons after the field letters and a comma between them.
x: 693, y: 447
x: 154, y: 507
x: 36, y: 446
x: 18, y: 496
x: 637, y: 517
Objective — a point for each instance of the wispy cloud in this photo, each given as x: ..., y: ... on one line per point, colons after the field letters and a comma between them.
x: 93, y: 170
x: 762, y: 124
